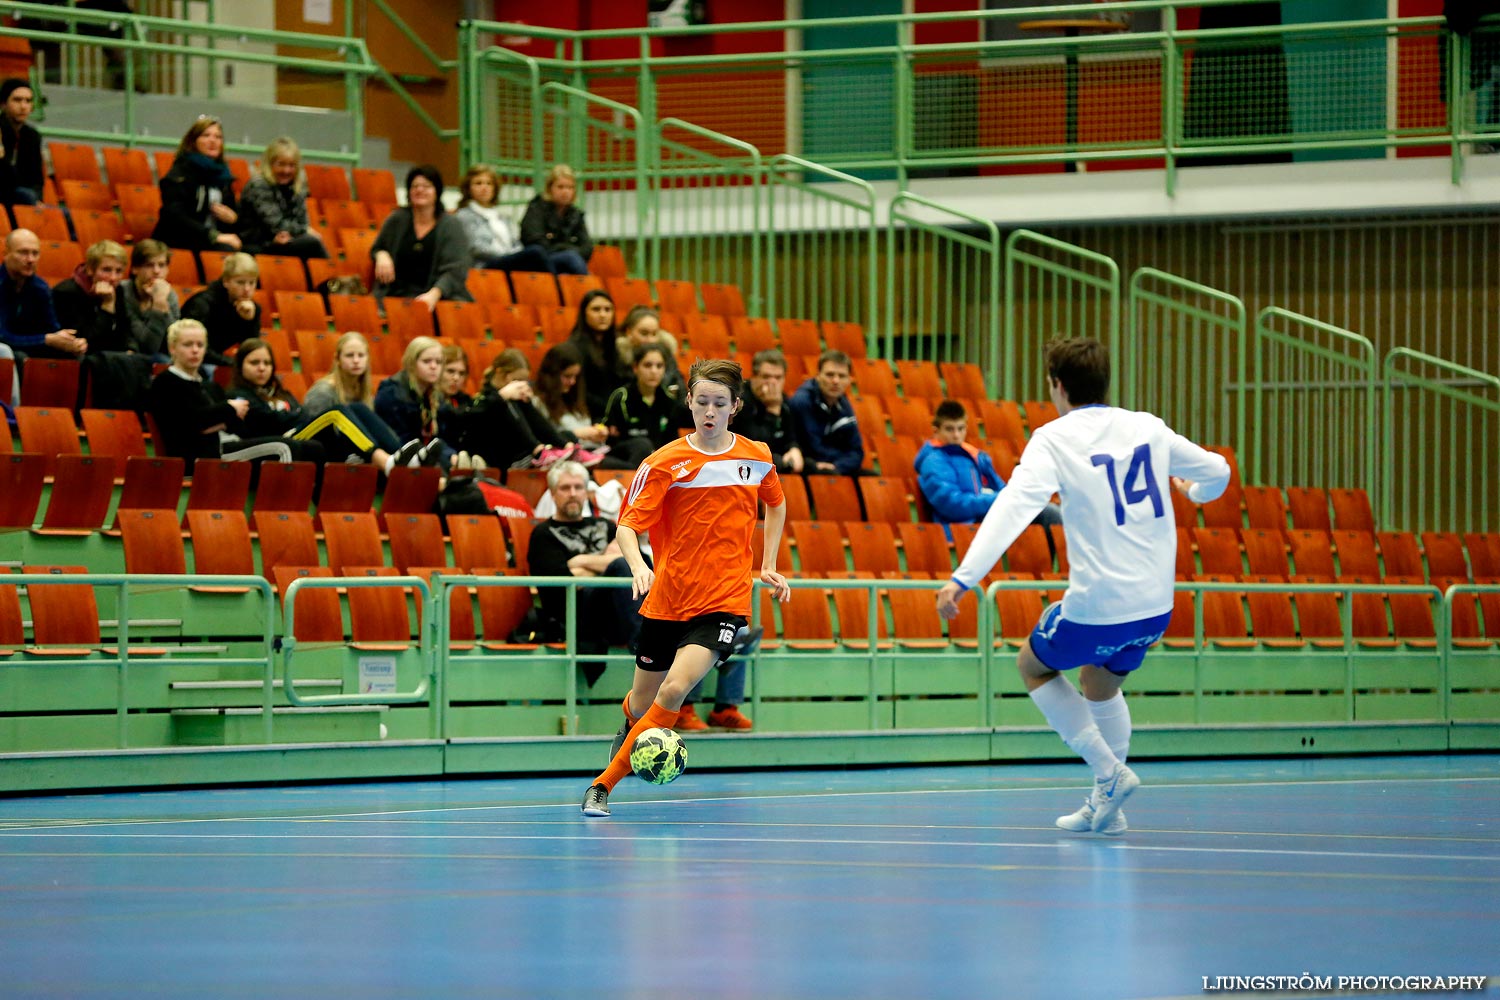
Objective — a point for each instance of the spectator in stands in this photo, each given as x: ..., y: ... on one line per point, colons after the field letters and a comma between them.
x: 643, y: 326
x: 28, y: 321
x: 197, y: 420
x: 91, y: 300
x: 198, y: 207
x: 572, y: 544
x: 227, y: 307
x: 22, y: 178
x: 410, y: 401
x: 831, y: 443
x: 455, y: 376
x: 494, y: 241
x: 273, y: 206
x: 348, y: 389
x: 593, y: 337
x: 275, y: 411
x: 958, y: 481
x: 150, y: 301
x: 422, y: 252
x: 503, y: 425
x: 642, y: 410
x: 560, y: 393
x: 555, y: 224
x: 765, y: 415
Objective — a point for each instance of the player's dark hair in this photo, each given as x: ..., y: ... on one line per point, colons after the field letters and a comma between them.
x: 725, y: 373
x: 1081, y: 364
x: 948, y: 409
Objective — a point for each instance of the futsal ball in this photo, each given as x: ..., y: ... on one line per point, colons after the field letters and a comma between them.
x: 659, y: 755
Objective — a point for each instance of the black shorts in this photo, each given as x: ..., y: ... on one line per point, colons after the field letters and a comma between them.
x: 659, y: 640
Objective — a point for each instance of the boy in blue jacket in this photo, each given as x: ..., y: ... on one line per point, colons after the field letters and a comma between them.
x: 958, y: 480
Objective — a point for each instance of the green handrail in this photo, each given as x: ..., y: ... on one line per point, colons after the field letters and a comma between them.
x: 816, y: 281
x: 1346, y: 363
x: 1078, y: 293
x: 1453, y: 426
x: 430, y: 683
x: 723, y: 223
x: 1174, y: 368
x: 121, y: 584
x: 973, y: 282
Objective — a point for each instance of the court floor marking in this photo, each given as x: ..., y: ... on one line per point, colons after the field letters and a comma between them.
x: 65, y: 823
x: 821, y: 841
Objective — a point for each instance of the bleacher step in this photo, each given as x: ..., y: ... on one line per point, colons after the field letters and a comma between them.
x: 246, y: 726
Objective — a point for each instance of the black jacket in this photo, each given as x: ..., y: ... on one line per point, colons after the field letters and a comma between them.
x: 226, y: 328
x: 542, y: 225
x: 778, y: 431
x: 21, y: 166
x: 183, y: 408
x: 185, y: 220
x: 78, y: 310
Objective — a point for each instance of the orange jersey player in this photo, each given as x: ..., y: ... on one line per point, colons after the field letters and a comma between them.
x: 697, y: 497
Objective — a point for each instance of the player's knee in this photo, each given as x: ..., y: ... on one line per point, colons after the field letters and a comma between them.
x: 673, y: 692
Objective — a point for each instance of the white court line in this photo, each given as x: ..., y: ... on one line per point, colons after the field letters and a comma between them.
x: 66, y: 824
x: 1051, y: 845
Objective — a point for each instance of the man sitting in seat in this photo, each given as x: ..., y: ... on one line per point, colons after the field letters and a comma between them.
x: 826, y: 426
x: 28, y: 321
x: 958, y: 481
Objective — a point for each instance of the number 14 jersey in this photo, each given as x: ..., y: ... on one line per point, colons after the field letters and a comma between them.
x: 1113, y: 470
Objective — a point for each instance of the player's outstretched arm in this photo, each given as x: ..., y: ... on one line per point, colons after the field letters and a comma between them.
x: 641, y: 575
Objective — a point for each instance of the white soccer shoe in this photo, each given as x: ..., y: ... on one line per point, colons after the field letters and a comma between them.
x: 1082, y: 821
x: 1110, y: 794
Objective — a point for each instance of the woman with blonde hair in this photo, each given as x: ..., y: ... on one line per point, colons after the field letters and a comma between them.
x: 410, y: 401
x: 555, y: 224
x: 347, y: 389
x: 274, y: 206
x: 494, y: 240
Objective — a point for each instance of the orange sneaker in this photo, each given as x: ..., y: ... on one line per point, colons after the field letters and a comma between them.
x: 729, y: 718
x: 688, y: 721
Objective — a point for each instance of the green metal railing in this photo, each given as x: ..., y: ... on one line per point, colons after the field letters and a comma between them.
x: 1315, y: 405
x: 344, y: 57
x: 709, y: 219
x: 1201, y: 664
x: 942, y: 286
x: 610, y: 146
x: 1018, y: 94
x: 1185, y: 357
x: 1440, y: 435
x: 1053, y: 289
x: 123, y: 585
x: 822, y: 242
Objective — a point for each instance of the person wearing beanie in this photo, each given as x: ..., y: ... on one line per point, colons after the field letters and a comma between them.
x: 21, y: 174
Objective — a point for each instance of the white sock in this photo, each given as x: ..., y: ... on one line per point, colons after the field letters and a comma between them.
x: 1068, y: 714
x: 390, y: 463
x: 1113, y: 719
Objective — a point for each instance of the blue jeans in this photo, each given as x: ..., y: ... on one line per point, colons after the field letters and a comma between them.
x: 375, y: 429
x: 532, y: 258
x: 568, y: 262
x: 731, y: 686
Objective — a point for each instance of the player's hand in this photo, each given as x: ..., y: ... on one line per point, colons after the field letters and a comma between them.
x: 947, y: 600
x: 780, y: 589
x: 641, y: 581
x: 1182, y: 485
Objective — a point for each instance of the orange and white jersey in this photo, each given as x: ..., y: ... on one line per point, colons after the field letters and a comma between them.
x: 701, y: 511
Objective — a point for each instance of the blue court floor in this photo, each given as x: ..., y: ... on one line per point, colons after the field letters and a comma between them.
x: 906, y: 883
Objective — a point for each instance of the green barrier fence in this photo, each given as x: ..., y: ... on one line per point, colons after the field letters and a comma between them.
x: 963, y: 89
x: 1315, y: 405
x: 942, y: 287
x: 822, y: 245
x: 1053, y: 289
x: 1185, y: 357
x: 1440, y: 434
x: 160, y: 38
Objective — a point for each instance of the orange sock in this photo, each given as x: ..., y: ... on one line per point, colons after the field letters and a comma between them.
x: 655, y: 717
x: 625, y: 707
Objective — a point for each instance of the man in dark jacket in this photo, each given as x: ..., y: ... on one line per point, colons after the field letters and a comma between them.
x: 825, y: 419
x: 28, y: 320
x: 765, y: 415
x: 227, y: 307
x: 90, y: 301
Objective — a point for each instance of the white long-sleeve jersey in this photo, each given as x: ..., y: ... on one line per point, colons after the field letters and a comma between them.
x: 1113, y: 469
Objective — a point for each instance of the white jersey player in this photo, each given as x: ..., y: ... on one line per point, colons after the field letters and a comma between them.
x: 1113, y: 469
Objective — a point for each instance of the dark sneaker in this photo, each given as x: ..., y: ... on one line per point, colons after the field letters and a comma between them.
x: 407, y: 454
x: 596, y: 801
x: 431, y: 453
x: 746, y: 641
